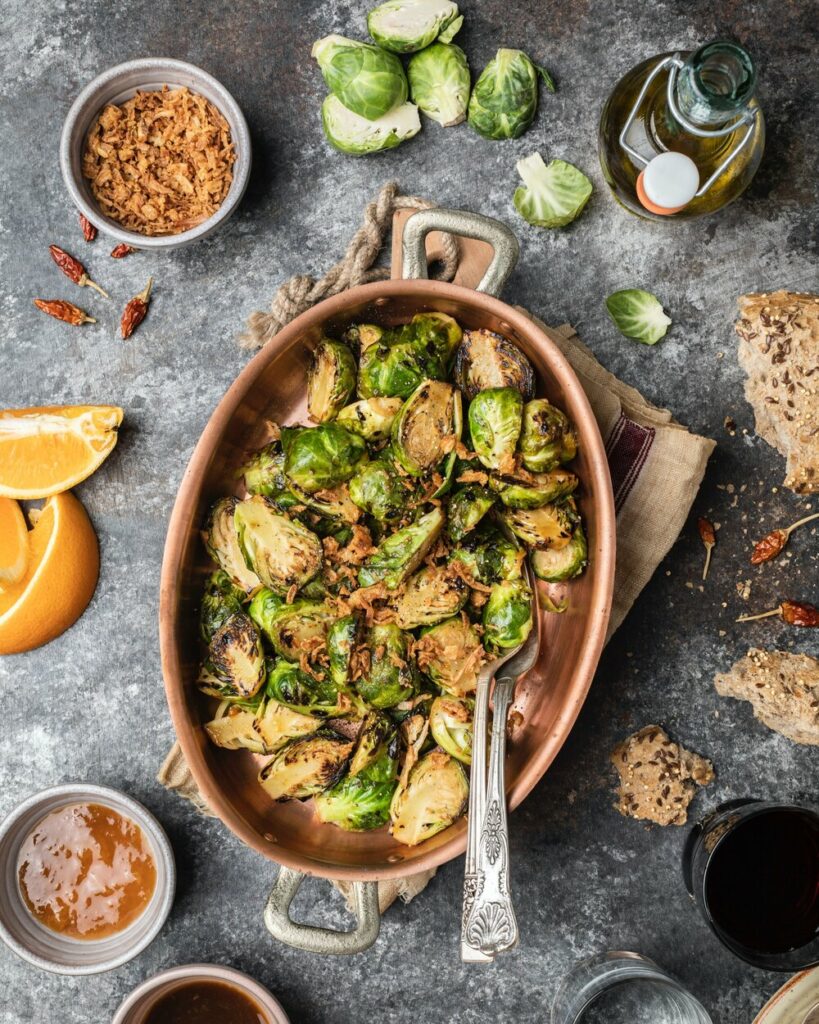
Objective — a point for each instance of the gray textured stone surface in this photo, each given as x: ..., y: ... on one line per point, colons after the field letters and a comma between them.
x: 91, y: 706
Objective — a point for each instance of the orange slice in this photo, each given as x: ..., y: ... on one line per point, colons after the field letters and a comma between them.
x: 48, y: 450
x: 64, y: 564
x: 13, y: 542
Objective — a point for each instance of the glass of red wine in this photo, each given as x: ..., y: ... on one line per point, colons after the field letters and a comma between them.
x: 752, y: 868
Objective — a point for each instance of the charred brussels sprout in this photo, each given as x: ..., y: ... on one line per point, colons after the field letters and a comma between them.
x: 450, y: 722
x: 366, y: 79
x: 451, y: 654
x: 276, y: 725
x: 379, y: 490
x: 549, y: 526
x: 486, y: 360
x: 427, y: 428
x: 393, y: 368
x: 495, y: 419
x: 237, y: 658
x: 391, y: 677
x: 234, y: 730
x: 405, y: 26
x: 438, y: 335
x: 222, y: 598
x: 283, y: 553
x: 295, y: 628
x: 322, y: 457
x: 555, y: 566
x: 489, y: 556
x: 333, y: 504
x: 400, y: 554
x: 466, y: 509
x: 360, y: 801
x: 300, y: 692
x: 221, y: 539
x: 439, y: 83
x: 371, y: 418
x: 547, y: 439
x: 330, y: 379
x: 504, y: 100
x: 341, y: 641
x: 434, y: 797
x: 433, y: 594
x: 306, y: 766
x: 349, y: 133
x: 507, y: 614
x: 361, y: 336
x: 533, y: 489
x: 264, y: 474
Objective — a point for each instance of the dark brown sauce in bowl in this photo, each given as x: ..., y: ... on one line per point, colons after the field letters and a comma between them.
x: 205, y: 1002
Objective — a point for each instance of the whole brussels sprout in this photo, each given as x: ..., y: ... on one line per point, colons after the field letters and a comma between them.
x: 535, y: 489
x: 400, y: 554
x: 405, y: 26
x: 357, y: 136
x: 264, y: 607
x: 436, y: 334
x: 283, y: 553
x: 547, y: 438
x: 306, y: 766
x: 371, y: 418
x: 450, y: 722
x: 495, y: 419
x: 275, y: 725
x: 489, y: 556
x: 264, y: 474
x: 439, y: 83
x: 234, y: 731
x: 295, y: 627
x: 236, y: 657
x: 487, y: 360
x: 451, y: 654
x: 549, y: 526
x: 330, y: 379
x: 396, y: 368
x: 221, y: 599
x: 320, y: 458
x: 366, y: 79
x: 221, y: 539
x: 504, y: 100
x: 565, y: 563
x: 507, y: 614
x: 433, y: 594
x: 436, y: 795
x: 360, y: 801
x: 379, y: 490
x: 391, y: 677
x: 426, y: 429
x: 300, y: 692
x: 466, y: 509
x: 341, y: 640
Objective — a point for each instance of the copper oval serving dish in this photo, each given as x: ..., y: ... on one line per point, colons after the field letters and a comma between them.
x: 272, y: 386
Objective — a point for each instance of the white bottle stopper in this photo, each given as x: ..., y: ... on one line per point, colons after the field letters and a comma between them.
x: 668, y: 183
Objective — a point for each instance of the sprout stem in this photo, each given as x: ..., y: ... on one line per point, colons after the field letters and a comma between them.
x: 762, y: 615
x: 801, y: 522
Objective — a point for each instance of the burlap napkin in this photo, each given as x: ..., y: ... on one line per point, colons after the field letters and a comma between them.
x: 656, y: 464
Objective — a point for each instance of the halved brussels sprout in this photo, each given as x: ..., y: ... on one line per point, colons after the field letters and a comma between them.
x: 400, y: 554
x: 549, y: 526
x: 330, y: 379
x: 379, y: 490
x: 439, y: 83
x: 486, y: 360
x: 300, y: 692
x: 507, y: 614
x: 393, y: 368
x: 295, y: 628
x: 504, y: 100
x: 306, y: 766
x: 427, y: 428
x: 489, y: 556
x: 435, y: 796
x: 377, y: 733
x: 361, y: 336
x: 370, y: 418
x: 451, y: 654
x: 547, y: 438
x: 391, y: 676
x: 264, y: 607
x: 283, y: 553
x: 233, y: 730
x: 341, y: 640
x: 433, y: 594
x: 221, y: 538
x: 495, y: 417
x: 436, y: 334
x: 534, y: 489
x: 221, y: 599
x: 450, y: 722
x: 334, y: 504
x: 563, y: 564
x: 405, y: 26
x: 236, y: 657
x: 466, y: 509
x: 276, y: 725
x: 264, y: 474
x: 320, y: 458
x: 366, y: 79
x: 349, y: 133
x: 360, y: 801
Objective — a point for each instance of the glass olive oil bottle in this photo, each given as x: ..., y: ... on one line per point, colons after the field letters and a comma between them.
x: 681, y: 134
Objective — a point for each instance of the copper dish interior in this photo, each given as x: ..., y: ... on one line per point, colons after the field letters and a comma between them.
x: 272, y: 386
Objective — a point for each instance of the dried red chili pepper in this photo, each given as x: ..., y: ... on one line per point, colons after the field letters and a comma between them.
x: 135, y: 310
x: 73, y: 269
x: 709, y: 539
x: 795, y: 613
x: 65, y: 311
x: 122, y: 250
x: 770, y: 545
x: 89, y: 232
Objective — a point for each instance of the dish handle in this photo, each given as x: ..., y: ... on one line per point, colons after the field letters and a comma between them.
x: 321, y: 940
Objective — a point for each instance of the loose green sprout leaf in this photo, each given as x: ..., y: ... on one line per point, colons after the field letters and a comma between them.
x: 638, y: 314
x: 504, y: 100
x: 367, y: 80
x: 405, y: 26
x: 553, y: 194
x: 330, y: 379
x: 439, y: 82
x: 357, y: 136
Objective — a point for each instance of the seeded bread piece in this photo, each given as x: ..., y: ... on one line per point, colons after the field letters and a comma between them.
x: 779, y: 351
x: 658, y: 778
x: 783, y: 689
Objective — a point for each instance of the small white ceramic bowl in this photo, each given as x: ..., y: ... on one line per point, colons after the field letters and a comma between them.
x: 135, y: 1008
x: 119, y: 84
x: 58, y: 953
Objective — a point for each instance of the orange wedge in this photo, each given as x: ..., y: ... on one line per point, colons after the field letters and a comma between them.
x: 49, y: 450
x: 13, y: 543
x: 63, y: 567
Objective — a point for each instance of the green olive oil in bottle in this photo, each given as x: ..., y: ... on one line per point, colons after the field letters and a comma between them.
x: 681, y: 134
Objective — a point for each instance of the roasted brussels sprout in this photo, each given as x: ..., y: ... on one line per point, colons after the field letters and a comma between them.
x: 379, y: 490
x: 402, y: 552
x: 405, y: 26
x: 370, y: 418
x: 495, y: 417
x: 306, y: 766
x: 533, y: 489
x: 322, y: 457
x: 221, y: 539
x: 547, y: 438
x: 349, y: 133
x: 433, y: 594
x: 264, y: 474
x: 435, y: 796
x: 486, y: 360
x: 283, y: 553
x: 562, y: 564
x: 549, y: 526
x: 507, y: 614
x: 393, y: 368
x: 221, y: 599
x: 377, y: 733
x: 361, y: 336
x: 489, y: 556
x: 391, y: 676
x: 466, y: 509
x: 450, y: 722
x: 427, y: 428
x: 330, y: 379
x: 451, y: 654
x: 366, y: 79
x: 436, y: 334
x: 288, y: 685
x: 276, y: 725
x: 295, y: 628
x: 360, y: 801
x: 439, y: 83
x: 234, y: 730
x: 341, y: 641
x: 333, y: 504
x: 264, y: 607
x: 504, y: 101
x: 236, y: 657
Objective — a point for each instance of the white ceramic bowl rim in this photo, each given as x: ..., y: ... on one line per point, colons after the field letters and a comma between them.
x: 51, y: 951
x: 114, y: 86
